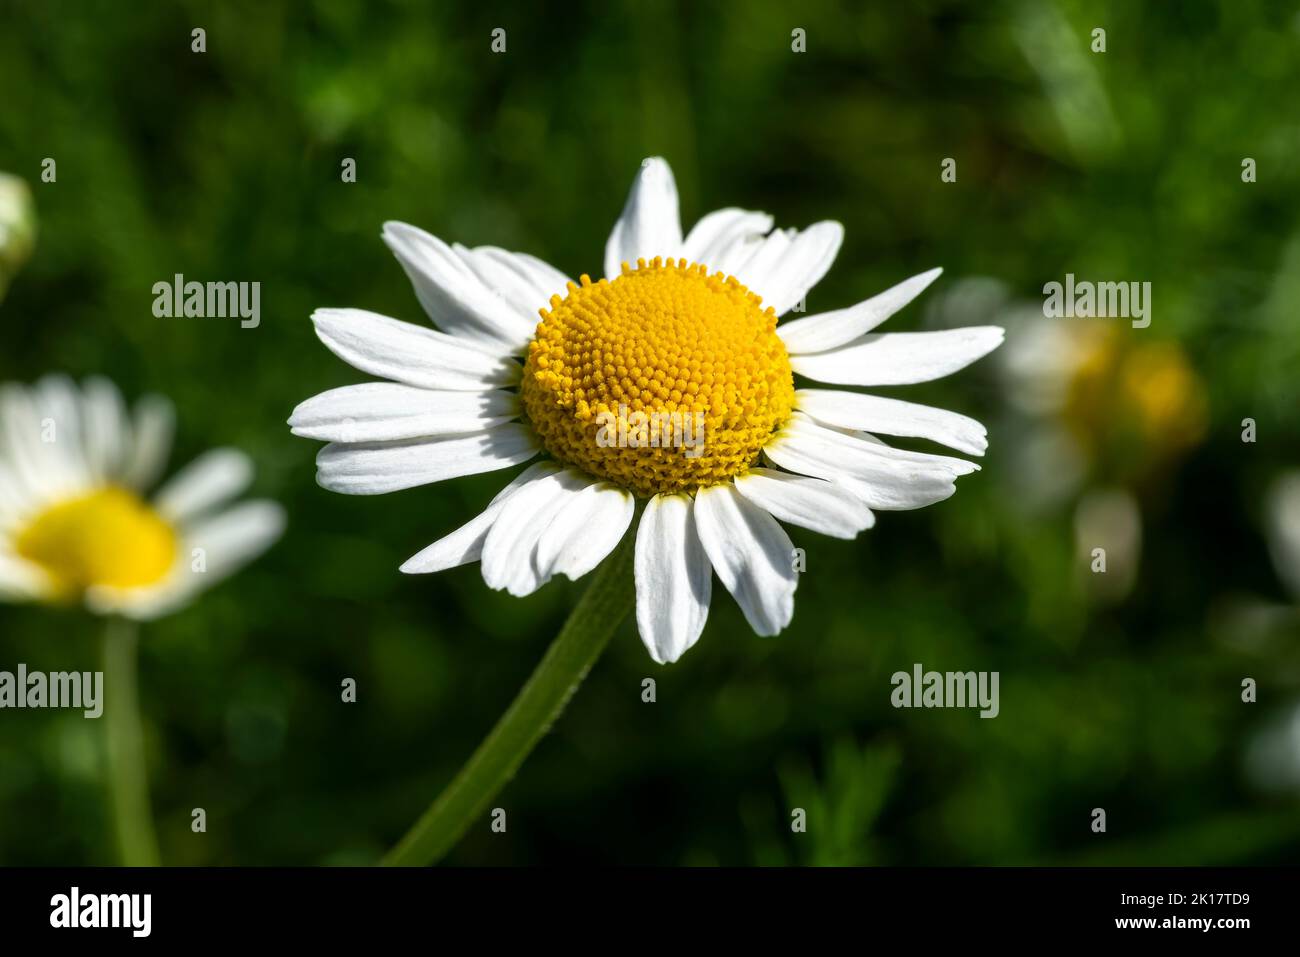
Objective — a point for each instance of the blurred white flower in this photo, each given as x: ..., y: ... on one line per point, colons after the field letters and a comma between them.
x: 1109, y: 519
x: 1272, y: 757
x: 1283, y: 529
x: 74, y: 522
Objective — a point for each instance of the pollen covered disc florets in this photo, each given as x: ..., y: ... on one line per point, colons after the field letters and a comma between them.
x: 665, y: 379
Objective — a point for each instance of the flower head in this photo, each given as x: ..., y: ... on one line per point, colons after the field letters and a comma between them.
x: 668, y: 383
x: 1123, y: 407
x: 75, y: 524
x: 17, y: 227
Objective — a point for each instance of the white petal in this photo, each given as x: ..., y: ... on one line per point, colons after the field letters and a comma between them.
x: 16, y: 502
x: 744, y: 249
x: 830, y: 330
x: 883, y: 477
x: 373, y: 468
x: 807, y: 502
x: 21, y: 579
x: 455, y: 297
x: 873, y: 413
x: 106, y: 429
x: 57, y: 417
x: 900, y: 358
x: 510, y: 549
x: 741, y: 248
x: 22, y: 449
x: 788, y: 263
x: 524, y: 282
x: 585, y: 530
x: 144, y: 604
x: 714, y: 233
x: 545, y: 278
x: 465, y: 544
x: 155, y: 423
x: 650, y: 224
x: 673, y: 579
x: 232, y: 538
x: 751, y: 553
x: 408, y: 353
x: 210, y: 480
x: 386, y: 411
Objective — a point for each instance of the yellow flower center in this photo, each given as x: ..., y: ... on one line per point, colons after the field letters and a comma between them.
x: 108, y: 537
x: 666, y: 379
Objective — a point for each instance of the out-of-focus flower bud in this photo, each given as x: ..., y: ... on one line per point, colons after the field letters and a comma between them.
x: 17, y: 227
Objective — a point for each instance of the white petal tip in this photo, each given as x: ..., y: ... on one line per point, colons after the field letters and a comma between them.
x: 833, y: 229
x: 326, y: 315
x: 662, y: 659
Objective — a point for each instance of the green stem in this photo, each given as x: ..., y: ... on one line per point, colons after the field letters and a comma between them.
x: 603, y: 606
x: 127, y: 783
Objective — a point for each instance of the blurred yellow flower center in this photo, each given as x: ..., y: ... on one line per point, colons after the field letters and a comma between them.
x: 666, y: 379
x: 1141, y: 403
x: 108, y: 537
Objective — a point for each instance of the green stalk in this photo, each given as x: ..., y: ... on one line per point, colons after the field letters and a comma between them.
x: 603, y: 606
x: 127, y: 781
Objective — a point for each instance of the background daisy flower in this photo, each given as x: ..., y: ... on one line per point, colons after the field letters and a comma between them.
x: 1283, y: 526
x: 76, y: 526
x: 685, y: 325
x: 1099, y: 418
x: 75, y: 522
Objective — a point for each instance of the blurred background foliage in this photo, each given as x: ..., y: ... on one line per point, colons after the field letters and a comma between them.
x: 1123, y: 165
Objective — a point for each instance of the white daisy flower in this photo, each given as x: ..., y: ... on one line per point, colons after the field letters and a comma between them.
x: 74, y: 521
x: 683, y: 325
